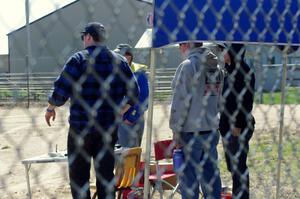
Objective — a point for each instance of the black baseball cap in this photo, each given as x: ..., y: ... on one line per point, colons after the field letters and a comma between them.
x: 96, y: 30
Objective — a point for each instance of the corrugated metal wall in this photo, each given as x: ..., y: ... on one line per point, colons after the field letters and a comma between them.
x: 56, y: 36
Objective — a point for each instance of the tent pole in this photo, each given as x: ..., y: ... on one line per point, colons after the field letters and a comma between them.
x: 281, y: 120
x: 149, y: 123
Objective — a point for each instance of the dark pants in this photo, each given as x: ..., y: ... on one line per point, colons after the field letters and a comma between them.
x: 82, y: 147
x: 236, y: 152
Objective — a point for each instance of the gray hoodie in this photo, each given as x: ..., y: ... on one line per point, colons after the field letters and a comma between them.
x: 196, y: 90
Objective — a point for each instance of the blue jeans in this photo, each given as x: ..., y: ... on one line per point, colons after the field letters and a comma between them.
x: 131, y: 135
x: 201, y: 166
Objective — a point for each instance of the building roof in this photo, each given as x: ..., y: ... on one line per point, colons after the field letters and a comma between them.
x: 36, y: 20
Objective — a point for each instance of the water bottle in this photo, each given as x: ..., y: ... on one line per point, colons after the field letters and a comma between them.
x: 178, y: 159
x: 118, y: 146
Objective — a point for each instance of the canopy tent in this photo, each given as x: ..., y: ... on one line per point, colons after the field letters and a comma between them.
x: 145, y: 40
x: 238, y: 21
x: 270, y: 22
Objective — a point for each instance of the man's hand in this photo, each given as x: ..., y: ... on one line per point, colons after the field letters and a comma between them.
x: 125, y: 109
x: 127, y: 122
x: 236, y: 131
x: 50, y: 113
x: 176, y: 140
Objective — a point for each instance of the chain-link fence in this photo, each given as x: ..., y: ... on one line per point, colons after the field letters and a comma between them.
x: 207, y: 101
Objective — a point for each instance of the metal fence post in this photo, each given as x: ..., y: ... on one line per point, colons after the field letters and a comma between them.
x: 28, y: 54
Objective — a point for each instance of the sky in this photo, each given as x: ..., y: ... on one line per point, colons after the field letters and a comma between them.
x: 12, y: 15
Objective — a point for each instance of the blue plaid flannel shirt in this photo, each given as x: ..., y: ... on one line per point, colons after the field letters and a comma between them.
x: 96, y: 81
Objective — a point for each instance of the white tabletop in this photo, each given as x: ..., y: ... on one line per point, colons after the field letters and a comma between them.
x: 50, y: 157
x: 61, y: 156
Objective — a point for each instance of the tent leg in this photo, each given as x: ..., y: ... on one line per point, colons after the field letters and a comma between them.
x: 281, y: 120
x: 149, y: 123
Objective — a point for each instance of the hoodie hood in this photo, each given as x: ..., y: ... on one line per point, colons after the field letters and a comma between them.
x: 207, y: 57
x: 236, y: 53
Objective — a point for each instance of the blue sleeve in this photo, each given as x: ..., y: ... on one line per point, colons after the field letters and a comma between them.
x: 135, y: 111
x: 133, y: 89
x: 132, y: 115
x: 63, y: 84
x: 144, y: 88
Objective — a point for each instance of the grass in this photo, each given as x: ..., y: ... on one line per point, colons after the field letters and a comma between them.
x: 5, y: 147
x: 13, y: 93
x: 292, y: 96
x: 263, y: 162
x: 22, y: 95
x: 269, y: 98
x: 162, y: 97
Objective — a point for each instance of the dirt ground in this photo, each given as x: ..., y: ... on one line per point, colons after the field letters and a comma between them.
x: 24, y: 134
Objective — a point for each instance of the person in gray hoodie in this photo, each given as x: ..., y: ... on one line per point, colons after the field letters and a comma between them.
x: 194, y: 120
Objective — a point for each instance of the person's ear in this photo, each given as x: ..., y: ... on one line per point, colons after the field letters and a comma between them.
x: 89, y: 37
x: 227, y: 59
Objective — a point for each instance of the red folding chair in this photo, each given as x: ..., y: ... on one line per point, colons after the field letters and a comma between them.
x: 162, y: 176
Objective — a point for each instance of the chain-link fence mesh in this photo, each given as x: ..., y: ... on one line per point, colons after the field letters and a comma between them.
x: 205, y: 88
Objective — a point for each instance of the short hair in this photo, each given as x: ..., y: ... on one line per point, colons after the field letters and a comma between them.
x: 197, y: 44
x: 96, y: 30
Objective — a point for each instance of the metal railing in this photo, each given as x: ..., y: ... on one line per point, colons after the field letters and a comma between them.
x: 14, y: 86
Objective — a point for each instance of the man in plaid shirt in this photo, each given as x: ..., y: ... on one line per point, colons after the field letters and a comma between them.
x: 101, y: 88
